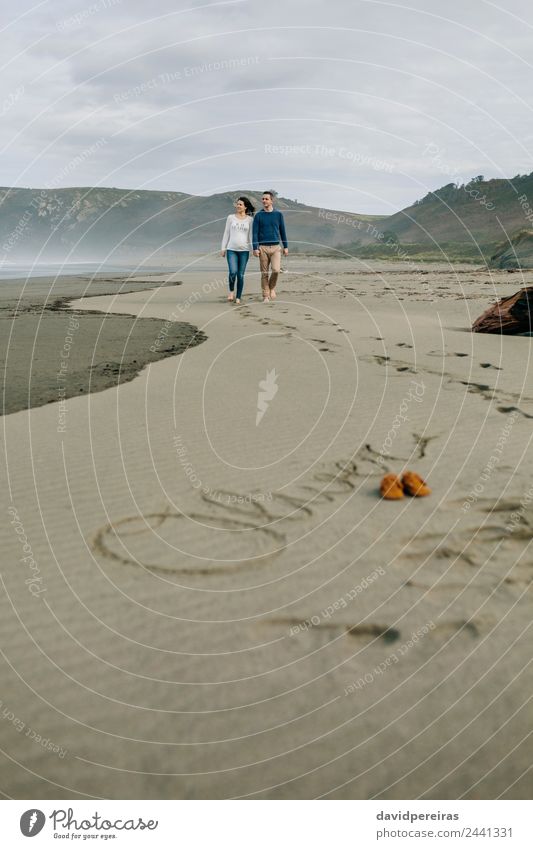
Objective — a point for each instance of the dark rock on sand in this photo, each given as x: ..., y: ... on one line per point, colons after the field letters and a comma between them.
x: 509, y: 316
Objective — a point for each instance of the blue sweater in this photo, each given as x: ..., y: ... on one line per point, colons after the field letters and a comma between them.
x: 269, y: 229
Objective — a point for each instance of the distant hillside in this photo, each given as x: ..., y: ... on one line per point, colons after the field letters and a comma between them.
x: 516, y: 252
x: 456, y: 221
x: 93, y: 223
x: 468, y: 213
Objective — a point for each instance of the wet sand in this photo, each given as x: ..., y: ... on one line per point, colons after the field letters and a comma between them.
x: 48, y: 353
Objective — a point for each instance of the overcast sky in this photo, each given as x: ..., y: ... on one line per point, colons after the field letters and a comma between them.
x: 350, y: 104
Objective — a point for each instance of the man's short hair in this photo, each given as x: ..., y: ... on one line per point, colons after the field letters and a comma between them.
x: 270, y: 192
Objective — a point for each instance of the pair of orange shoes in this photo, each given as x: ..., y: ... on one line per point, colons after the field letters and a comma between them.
x: 393, y: 487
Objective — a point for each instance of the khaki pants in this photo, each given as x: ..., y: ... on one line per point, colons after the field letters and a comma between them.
x: 269, y: 255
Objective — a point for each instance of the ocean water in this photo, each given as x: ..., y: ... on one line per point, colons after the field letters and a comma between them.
x: 14, y: 270
x: 183, y: 262
x: 207, y: 263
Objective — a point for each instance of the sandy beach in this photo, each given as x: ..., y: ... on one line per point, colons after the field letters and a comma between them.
x: 216, y: 603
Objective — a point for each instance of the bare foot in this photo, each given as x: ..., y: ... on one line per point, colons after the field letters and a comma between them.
x: 273, y: 295
x: 230, y: 296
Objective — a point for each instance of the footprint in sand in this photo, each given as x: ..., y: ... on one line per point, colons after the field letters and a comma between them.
x: 446, y: 354
x: 482, y: 389
x: 366, y: 632
x: 473, y: 628
x: 514, y: 409
x: 385, y: 360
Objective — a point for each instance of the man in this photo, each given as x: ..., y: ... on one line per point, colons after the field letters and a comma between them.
x: 268, y: 231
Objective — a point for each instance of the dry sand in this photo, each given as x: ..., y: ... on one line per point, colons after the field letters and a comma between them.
x: 227, y: 609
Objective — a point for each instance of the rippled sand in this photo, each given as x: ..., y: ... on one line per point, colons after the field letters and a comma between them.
x: 222, y: 605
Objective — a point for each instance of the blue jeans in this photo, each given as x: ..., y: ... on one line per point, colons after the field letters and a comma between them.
x: 237, y: 261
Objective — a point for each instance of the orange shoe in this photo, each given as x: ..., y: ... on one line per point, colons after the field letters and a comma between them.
x: 413, y: 484
x: 391, y: 487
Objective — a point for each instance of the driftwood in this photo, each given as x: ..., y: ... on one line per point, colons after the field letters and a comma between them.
x: 510, y: 315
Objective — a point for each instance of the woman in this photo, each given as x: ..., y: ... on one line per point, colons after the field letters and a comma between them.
x: 237, y: 244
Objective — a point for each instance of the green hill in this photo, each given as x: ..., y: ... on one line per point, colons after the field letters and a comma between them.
x: 457, y: 222
x: 95, y: 223
x: 469, y: 213
x: 516, y: 252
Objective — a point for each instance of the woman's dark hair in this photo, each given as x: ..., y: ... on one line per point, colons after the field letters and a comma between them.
x: 248, y: 205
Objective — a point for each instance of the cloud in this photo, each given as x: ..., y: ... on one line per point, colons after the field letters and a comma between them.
x: 189, y: 98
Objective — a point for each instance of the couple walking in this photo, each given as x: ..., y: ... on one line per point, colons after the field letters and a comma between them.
x: 261, y: 233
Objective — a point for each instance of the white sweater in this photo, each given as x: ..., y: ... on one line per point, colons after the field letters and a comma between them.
x: 238, y: 234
